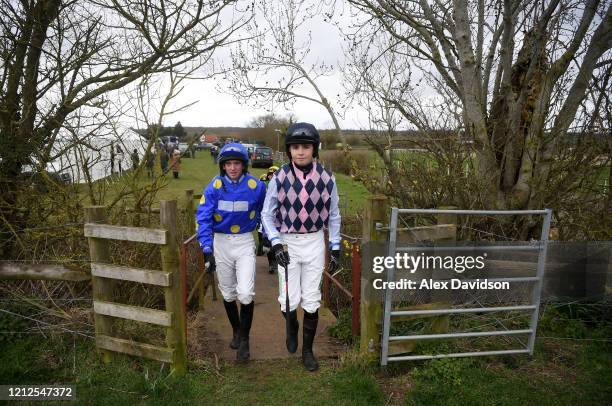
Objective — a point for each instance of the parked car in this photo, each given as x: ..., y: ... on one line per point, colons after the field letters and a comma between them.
x: 204, y: 145
x: 40, y: 183
x: 183, y: 147
x: 262, y: 157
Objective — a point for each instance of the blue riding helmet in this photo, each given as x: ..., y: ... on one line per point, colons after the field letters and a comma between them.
x: 231, y: 151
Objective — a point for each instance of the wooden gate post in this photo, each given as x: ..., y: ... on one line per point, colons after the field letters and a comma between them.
x: 355, y: 288
x: 447, y: 219
x: 444, y: 231
x: 175, y: 335
x: 441, y: 323
x: 102, y: 288
x: 376, y: 211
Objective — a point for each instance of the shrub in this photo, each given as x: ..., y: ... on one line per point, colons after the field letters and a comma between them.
x: 342, y: 329
x: 338, y: 162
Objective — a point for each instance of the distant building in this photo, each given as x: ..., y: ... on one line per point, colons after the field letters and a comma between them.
x: 209, y: 138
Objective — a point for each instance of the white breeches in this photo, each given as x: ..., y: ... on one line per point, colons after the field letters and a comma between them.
x: 307, y: 256
x: 235, y: 259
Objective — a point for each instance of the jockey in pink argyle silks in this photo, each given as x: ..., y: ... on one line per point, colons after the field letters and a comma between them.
x: 302, y: 198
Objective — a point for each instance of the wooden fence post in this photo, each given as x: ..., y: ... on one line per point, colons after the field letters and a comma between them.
x: 376, y: 211
x: 189, y: 211
x: 444, y: 231
x: 102, y: 288
x: 175, y: 335
x: 441, y: 323
x: 447, y: 218
x: 355, y: 288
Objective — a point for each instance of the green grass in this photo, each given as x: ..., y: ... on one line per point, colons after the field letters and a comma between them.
x: 128, y: 381
x: 354, y: 193
x: 574, y: 374
x: 583, y: 378
x: 196, y: 173
x: 561, y: 372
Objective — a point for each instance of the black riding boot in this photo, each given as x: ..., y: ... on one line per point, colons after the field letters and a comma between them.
x: 231, y: 308
x: 309, y: 330
x: 246, y: 318
x: 292, y: 339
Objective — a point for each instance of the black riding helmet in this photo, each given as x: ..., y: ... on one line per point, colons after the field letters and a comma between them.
x: 302, y: 133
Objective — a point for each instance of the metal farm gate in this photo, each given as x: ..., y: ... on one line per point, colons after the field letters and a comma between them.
x: 533, y: 307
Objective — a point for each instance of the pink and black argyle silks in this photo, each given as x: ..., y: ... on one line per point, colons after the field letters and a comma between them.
x: 304, y: 204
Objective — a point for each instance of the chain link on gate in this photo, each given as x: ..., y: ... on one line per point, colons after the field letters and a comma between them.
x: 539, y: 246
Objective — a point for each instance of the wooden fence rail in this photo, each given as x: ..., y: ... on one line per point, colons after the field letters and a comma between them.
x: 45, y: 272
x: 104, y: 275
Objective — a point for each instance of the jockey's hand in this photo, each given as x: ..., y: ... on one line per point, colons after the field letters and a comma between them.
x: 334, y: 261
x: 282, y: 256
x: 209, y: 262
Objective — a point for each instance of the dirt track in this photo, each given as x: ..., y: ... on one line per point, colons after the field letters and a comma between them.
x: 211, y: 333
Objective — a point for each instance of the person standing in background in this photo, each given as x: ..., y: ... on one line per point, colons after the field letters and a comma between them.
x: 119, y: 155
x: 175, y: 163
x: 163, y: 160
x: 151, y: 163
x: 135, y: 159
x: 264, y: 243
x: 112, y: 158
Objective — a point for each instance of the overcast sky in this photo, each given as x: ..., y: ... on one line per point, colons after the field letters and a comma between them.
x: 216, y: 108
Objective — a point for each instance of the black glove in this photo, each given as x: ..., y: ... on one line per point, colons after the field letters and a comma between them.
x: 282, y: 256
x: 334, y: 261
x: 209, y: 259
